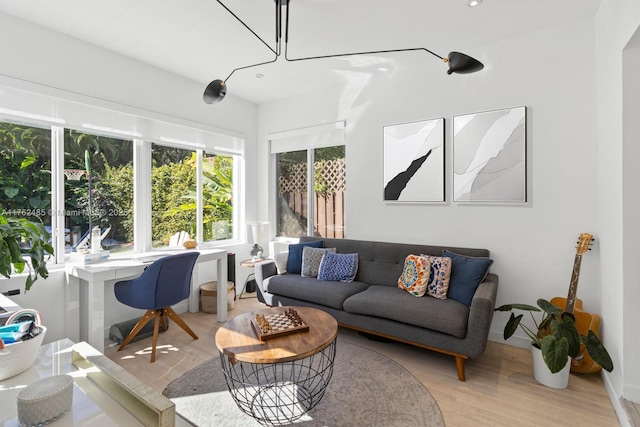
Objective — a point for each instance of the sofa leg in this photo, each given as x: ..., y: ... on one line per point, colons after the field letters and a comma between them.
x: 460, y: 367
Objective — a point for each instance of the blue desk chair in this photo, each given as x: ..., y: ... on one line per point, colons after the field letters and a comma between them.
x: 162, y: 284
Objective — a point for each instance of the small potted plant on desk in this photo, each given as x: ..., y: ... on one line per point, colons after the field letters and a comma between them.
x: 24, y: 243
x: 556, y: 339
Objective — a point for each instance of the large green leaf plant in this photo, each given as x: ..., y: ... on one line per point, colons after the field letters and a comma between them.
x: 24, y: 244
x: 555, y: 335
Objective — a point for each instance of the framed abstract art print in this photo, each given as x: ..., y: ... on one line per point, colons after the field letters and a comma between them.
x: 489, y: 156
x: 414, y: 161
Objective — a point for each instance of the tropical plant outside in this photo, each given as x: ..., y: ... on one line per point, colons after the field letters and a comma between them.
x: 25, y: 185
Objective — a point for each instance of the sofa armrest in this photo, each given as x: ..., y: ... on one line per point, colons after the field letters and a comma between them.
x: 263, y: 270
x: 481, y: 315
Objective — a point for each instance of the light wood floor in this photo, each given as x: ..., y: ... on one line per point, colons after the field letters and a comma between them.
x: 499, y: 391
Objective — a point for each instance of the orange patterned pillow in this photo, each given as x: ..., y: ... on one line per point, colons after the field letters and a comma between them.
x: 415, y: 275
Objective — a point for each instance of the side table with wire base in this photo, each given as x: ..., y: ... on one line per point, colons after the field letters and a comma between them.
x: 278, y: 380
x: 247, y: 263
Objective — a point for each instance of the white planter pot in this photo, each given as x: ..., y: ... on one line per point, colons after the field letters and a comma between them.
x: 543, y: 375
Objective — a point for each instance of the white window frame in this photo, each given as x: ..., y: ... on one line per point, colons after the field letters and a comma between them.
x: 309, y: 138
x: 36, y: 105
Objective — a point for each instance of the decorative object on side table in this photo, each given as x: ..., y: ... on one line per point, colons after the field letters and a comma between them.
x: 259, y: 234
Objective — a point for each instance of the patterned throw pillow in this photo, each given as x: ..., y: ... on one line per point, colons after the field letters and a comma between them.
x: 415, y: 275
x: 338, y: 267
x: 439, y: 276
x: 311, y: 258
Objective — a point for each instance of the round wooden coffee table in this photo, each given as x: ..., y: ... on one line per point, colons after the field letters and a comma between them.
x: 278, y: 379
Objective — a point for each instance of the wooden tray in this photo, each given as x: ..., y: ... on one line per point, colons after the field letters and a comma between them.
x: 279, y: 323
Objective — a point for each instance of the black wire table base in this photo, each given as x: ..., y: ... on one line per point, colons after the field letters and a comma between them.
x: 279, y: 393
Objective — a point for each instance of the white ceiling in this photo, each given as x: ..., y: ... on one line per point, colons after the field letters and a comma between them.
x: 199, y: 40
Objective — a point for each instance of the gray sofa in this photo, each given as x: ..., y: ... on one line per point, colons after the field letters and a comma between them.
x: 374, y: 304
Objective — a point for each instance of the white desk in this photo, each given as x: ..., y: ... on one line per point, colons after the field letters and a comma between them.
x: 93, y: 403
x: 90, y: 280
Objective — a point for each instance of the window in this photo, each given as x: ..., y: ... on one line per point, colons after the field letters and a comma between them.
x: 25, y: 175
x: 174, y: 196
x: 109, y: 177
x: 44, y: 176
x: 173, y: 188
x: 310, y: 182
x: 217, y: 196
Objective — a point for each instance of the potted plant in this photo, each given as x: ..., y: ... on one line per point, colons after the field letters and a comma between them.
x: 556, y: 336
x: 24, y: 243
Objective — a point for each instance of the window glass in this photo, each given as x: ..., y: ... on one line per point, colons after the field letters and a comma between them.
x: 173, y: 195
x: 25, y: 175
x: 217, y: 196
x: 98, y: 189
x: 329, y: 185
x: 292, y: 193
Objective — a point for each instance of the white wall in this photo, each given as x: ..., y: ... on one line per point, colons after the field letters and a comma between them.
x: 618, y: 98
x: 82, y: 72
x: 534, y: 244
x: 46, y: 296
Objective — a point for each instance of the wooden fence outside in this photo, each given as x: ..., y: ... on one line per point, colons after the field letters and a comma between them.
x: 328, y: 200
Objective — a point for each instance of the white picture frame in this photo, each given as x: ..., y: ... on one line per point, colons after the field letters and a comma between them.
x: 413, y: 154
x: 490, y: 156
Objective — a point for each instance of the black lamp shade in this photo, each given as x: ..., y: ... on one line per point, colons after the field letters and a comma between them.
x: 463, y: 64
x: 215, y: 92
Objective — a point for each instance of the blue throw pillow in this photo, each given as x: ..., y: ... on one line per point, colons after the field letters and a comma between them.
x: 294, y: 261
x: 466, y: 275
x: 338, y: 267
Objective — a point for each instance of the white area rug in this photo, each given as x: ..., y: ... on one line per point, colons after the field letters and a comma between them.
x: 367, y: 389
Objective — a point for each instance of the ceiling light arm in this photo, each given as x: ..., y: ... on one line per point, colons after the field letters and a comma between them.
x: 458, y: 62
x: 252, y: 32
x: 217, y: 89
x: 286, y: 44
x: 362, y: 53
x: 251, y: 66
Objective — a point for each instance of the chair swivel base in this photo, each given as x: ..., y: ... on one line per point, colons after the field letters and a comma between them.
x: 159, y: 315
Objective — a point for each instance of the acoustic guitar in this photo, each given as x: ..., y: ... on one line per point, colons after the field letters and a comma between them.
x: 585, y: 322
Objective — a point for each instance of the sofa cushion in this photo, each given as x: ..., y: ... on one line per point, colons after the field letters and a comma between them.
x: 447, y: 316
x: 338, y: 267
x: 311, y: 258
x: 439, y: 275
x: 330, y: 294
x: 415, y: 275
x: 294, y: 260
x: 466, y: 274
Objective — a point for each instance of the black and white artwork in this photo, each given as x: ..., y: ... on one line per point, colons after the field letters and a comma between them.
x: 414, y: 161
x: 489, y: 156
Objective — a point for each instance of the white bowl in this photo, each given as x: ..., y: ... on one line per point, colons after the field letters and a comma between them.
x: 17, y: 357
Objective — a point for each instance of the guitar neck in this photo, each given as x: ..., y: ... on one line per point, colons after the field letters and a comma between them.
x: 573, y: 286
